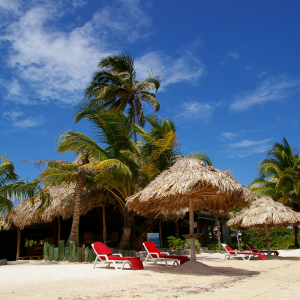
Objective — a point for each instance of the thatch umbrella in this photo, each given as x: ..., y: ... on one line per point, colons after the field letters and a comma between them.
x: 264, y: 212
x: 61, y: 205
x: 189, y: 183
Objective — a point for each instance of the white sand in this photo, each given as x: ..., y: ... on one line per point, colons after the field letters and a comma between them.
x: 230, y: 279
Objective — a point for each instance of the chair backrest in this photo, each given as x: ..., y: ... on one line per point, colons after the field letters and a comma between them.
x: 87, y: 238
x: 49, y: 240
x: 250, y: 246
x: 101, y: 248
x: 151, y: 248
x: 228, y: 249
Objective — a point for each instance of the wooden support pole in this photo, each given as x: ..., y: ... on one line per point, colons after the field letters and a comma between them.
x: 18, y: 242
x: 104, y: 224
x: 218, y: 231
x: 160, y: 235
x: 58, y: 228
x: 192, y: 241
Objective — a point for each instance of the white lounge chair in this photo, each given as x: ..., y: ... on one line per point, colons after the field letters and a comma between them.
x: 245, y: 255
x: 103, y: 254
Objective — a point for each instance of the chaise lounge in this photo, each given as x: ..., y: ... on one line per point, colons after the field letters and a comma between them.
x: 265, y: 252
x: 154, y: 255
x: 245, y: 255
x: 103, y: 254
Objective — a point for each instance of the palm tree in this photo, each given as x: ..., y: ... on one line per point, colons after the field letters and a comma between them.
x: 114, y: 166
x: 279, y: 177
x: 115, y: 86
x: 12, y: 189
x: 57, y: 172
x: 202, y: 156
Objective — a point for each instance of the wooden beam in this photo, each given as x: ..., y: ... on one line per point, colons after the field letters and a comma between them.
x: 192, y: 241
x: 18, y: 242
x: 160, y: 235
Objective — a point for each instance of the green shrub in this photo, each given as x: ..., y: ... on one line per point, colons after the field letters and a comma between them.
x: 213, y: 246
x: 281, y: 238
x: 180, y: 244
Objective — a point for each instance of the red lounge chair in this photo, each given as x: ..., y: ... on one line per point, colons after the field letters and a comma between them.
x: 105, y: 255
x: 244, y: 255
x: 153, y: 254
x: 265, y: 252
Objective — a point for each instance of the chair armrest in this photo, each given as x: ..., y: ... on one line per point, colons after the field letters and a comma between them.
x: 154, y: 253
x: 166, y: 253
x: 118, y: 254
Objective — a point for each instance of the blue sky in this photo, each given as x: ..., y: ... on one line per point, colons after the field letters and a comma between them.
x: 229, y: 70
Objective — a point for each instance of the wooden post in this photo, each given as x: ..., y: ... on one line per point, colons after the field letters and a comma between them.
x: 192, y: 241
x: 267, y: 239
x: 54, y: 232
x: 18, y: 243
x: 58, y: 228
x: 86, y: 253
x: 218, y: 231
x: 238, y: 239
x: 104, y: 224
x: 160, y: 235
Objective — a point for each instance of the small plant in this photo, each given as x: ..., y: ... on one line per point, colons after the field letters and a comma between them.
x: 213, y: 246
x: 187, y: 244
x: 180, y: 244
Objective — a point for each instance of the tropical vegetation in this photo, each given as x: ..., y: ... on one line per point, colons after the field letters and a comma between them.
x: 279, y: 177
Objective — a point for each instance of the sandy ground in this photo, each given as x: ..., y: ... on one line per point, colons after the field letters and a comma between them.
x: 230, y: 279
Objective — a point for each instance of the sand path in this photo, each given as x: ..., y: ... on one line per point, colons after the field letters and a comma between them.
x: 236, y: 279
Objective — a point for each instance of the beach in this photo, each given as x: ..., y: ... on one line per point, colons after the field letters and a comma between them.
x: 277, y: 278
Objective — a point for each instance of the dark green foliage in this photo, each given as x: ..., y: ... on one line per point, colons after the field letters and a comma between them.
x: 213, y: 246
x: 281, y: 238
x: 180, y: 244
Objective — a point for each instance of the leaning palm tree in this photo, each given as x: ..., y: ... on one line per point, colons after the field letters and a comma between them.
x: 12, y: 189
x: 115, y: 86
x: 279, y: 177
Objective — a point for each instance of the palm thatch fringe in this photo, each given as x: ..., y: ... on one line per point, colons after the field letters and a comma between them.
x: 189, y: 178
x: 264, y: 210
x: 62, y: 205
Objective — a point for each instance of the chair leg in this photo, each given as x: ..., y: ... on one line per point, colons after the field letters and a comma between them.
x: 115, y: 265
x: 95, y: 261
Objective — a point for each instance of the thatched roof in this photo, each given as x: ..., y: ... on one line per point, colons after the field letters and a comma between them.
x: 62, y: 205
x: 264, y: 210
x: 173, y: 216
x: 187, y: 179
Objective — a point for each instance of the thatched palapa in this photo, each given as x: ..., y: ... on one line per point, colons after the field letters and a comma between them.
x: 187, y: 179
x: 62, y: 205
x: 264, y: 212
x: 189, y: 183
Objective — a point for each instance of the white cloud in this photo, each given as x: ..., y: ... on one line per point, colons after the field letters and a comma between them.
x: 51, y: 64
x: 233, y: 135
x: 193, y: 110
x: 232, y: 55
x: 186, y: 68
x: 271, y: 89
x: 248, y: 147
x: 24, y: 123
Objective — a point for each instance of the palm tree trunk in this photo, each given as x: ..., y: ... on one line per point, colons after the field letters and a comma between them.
x: 296, y: 236
x: 74, y: 234
x: 128, y: 220
x: 147, y: 227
